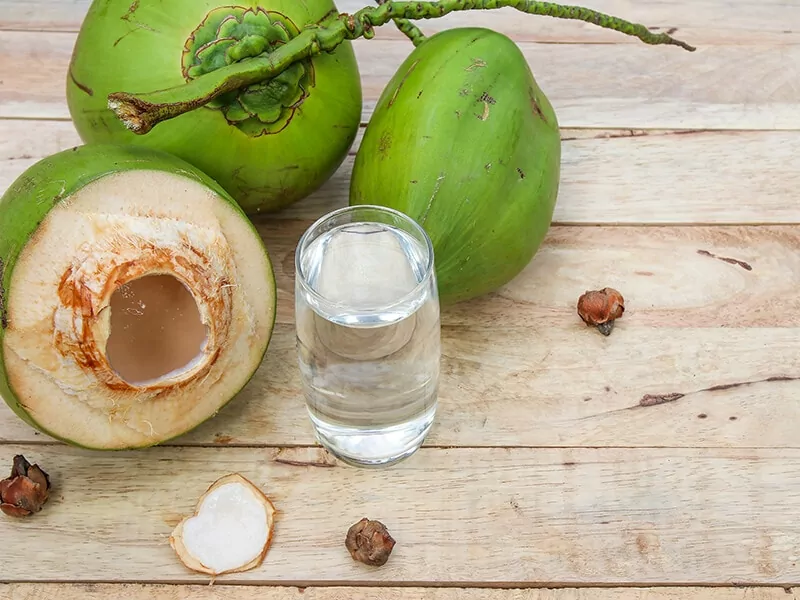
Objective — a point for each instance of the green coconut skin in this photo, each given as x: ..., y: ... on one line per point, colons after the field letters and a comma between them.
x: 138, y: 47
x: 464, y: 141
x: 53, y: 180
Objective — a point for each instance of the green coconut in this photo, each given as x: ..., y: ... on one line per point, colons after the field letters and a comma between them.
x: 137, y: 298
x: 268, y: 144
x: 264, y: 96
x: 464, y: 141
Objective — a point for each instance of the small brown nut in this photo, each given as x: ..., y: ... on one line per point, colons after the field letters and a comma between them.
x: 369, y: 542
x: 25, y: 491
x: 600, y: 308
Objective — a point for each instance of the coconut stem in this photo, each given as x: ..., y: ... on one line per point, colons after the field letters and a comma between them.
x: 141, y: 112
x: 431, y: 10
x: 411, y: 31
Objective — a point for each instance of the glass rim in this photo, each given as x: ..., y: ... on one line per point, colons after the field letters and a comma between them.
x: 412, y: 223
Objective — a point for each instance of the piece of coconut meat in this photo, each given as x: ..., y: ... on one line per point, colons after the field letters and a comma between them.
x: 140, y: 306
x: 230, y: 530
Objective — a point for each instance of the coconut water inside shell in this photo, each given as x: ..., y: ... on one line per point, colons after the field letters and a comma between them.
x: 156, y: 329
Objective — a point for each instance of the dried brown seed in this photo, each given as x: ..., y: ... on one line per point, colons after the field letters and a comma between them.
x: 600, y: 308
x: 25, y: 491
x: 369, y: 542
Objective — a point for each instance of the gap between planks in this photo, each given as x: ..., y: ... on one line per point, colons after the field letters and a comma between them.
x: 142, y: 591
x: 567, y: 133
x: 329, y: 459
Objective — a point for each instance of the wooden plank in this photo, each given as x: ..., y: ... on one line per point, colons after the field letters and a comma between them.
x: 46, y: 591
x: 499, y: 517
x: 521, y: 369
x: 608, y: 177
x: 23, y: 143
x: 638, y: 86
x: 601, y: 86
x: 710, y: 22
x: 645, y: 177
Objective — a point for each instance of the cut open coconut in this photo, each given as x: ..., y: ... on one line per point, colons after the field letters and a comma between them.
x: 230, y: 530
x: 137, y: 297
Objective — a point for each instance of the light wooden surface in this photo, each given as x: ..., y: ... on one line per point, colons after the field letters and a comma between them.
x: 546, y: 469
x: 602, y: 183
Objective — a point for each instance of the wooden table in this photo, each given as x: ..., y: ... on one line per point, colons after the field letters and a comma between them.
x: 546, y: 469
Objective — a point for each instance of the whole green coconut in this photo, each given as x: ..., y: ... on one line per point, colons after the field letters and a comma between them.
x: 464, y: 141
x: 268, y: 144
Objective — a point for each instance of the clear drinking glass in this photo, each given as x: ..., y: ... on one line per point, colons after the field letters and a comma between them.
x: 368, y: 333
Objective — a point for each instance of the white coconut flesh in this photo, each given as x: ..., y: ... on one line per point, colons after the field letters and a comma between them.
x: 140, y: 306
x: 230, y: 530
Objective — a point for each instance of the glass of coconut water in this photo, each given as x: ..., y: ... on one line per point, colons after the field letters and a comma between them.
x: 368, y: 333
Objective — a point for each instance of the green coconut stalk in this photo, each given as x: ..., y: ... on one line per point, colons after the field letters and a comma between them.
x: 410, y: 30
x: 140, y: 112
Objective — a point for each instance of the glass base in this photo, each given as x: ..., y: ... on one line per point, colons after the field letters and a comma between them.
x: 374, y: 448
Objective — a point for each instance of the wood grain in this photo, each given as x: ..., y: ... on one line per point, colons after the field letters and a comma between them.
x: 44, y: 591
x: 521, y: 369
x: 504, y: 517
x: 608, y: 176
x: 600, y: 86
x: 709, y: 22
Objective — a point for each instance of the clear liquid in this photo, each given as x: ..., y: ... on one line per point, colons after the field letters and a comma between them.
x: 370, y: 366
